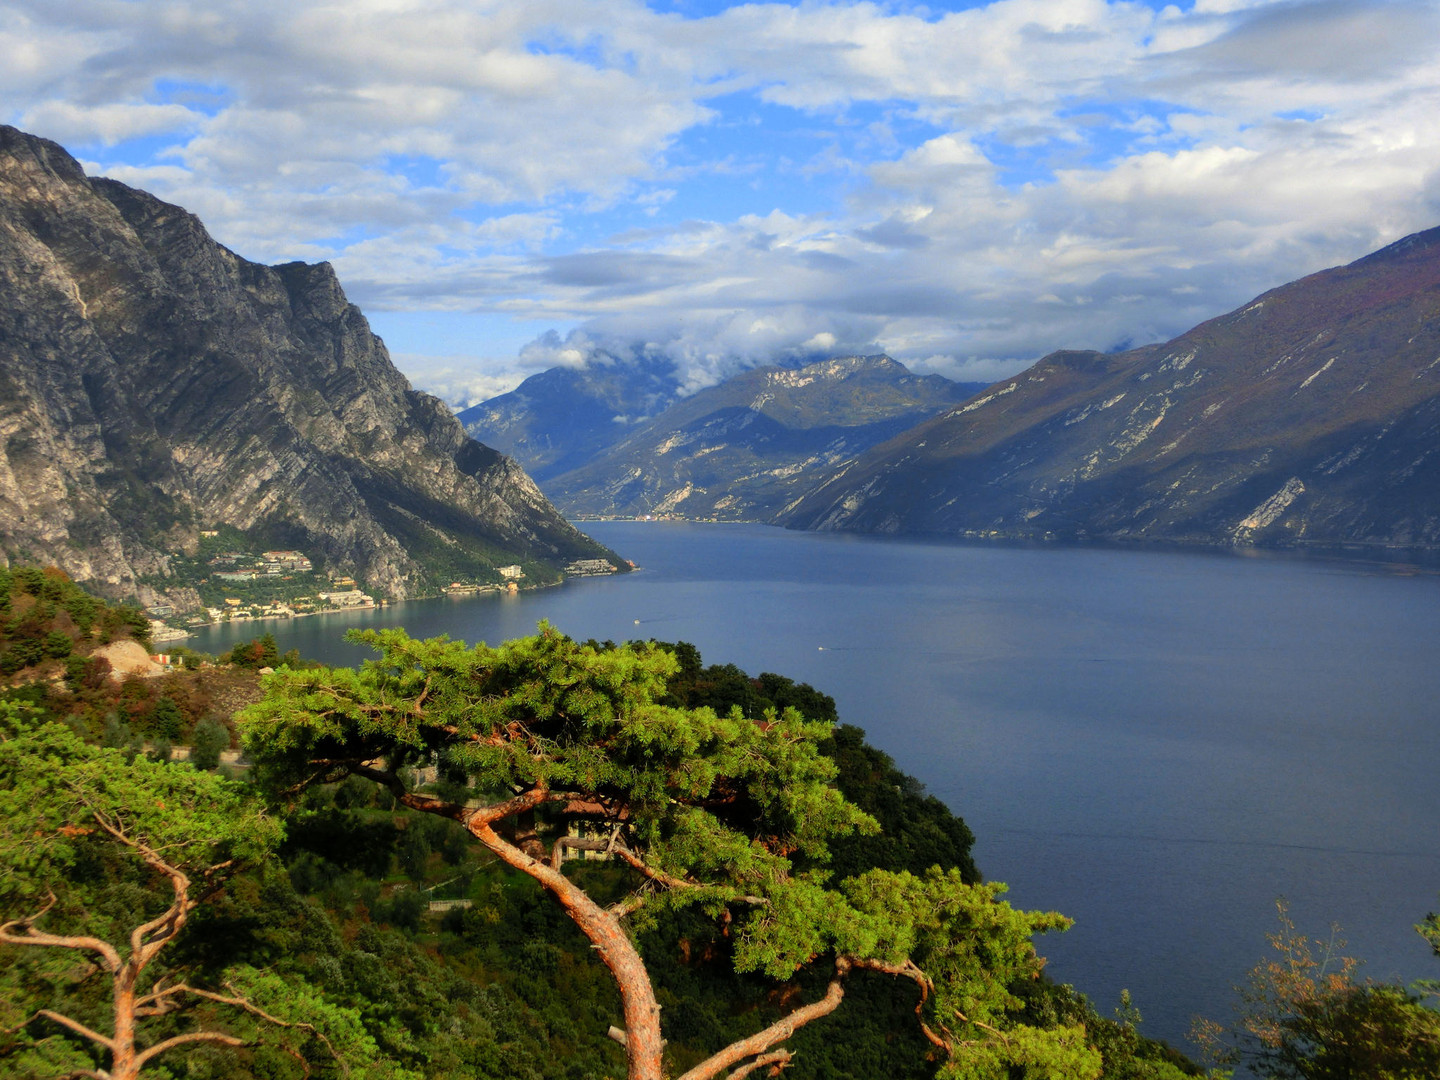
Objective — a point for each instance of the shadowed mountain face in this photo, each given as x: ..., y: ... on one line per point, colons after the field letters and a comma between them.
x: 563, y: 418
x: 743, y: 449
x: 153, y: 384
x: 1311, y: 416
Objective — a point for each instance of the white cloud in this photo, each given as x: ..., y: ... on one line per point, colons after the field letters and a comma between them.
x: 459, y: 381
x: 68, y: 122
x: 1012, y: 178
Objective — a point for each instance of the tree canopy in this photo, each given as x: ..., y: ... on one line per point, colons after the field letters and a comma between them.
x: 728, y: 814
x: 108, y: 855
x: 1305, y: 1014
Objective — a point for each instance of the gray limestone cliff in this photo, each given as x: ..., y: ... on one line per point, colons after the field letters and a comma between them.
x: 154, y: 384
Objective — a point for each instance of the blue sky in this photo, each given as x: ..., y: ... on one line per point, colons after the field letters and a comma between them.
x: 966, y: 186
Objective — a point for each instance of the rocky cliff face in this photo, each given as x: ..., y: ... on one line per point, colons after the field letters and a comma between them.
x: 1310, y: 416
x: 743, y: 449
x: 153, y: 384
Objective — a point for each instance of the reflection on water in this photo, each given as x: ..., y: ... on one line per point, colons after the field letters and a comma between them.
x: 1156, y: 744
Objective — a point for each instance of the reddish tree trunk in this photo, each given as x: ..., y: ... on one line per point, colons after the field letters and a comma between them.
x: 643, y: 1045
x: 123, y: 1065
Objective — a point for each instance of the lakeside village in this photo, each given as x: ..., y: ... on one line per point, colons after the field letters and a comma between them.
x: 285, y: 585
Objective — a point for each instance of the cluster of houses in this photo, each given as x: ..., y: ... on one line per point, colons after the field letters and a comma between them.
x: 235, y: 609
x: 589, y: 567
x: 240, y: 566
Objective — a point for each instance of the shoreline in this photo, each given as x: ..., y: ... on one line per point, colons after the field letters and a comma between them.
x: 464, y: 593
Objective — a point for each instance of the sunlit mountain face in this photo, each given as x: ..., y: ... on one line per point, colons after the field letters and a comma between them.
x: 1306, y: 418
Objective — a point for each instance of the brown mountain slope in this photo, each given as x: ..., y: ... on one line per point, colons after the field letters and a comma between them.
x: 1310, y: 416
x: 153, y: 383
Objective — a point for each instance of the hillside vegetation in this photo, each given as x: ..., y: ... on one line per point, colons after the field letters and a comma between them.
x: 369, y: 938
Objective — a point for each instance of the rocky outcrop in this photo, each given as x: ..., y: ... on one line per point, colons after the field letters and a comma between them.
x: 154, y: 384
x: 1311, y: 416
x: 743, y: 449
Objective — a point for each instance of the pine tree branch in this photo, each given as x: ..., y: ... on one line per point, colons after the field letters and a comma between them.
x: 762, y: 1042
x: 778, y: 1058
x: 77, y: 1027
x: 159, y: 1048
x: 910, y: 970
x: 238, y: 1002
x: 8, y: 935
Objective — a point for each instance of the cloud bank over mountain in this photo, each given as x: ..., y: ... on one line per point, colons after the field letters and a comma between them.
x: 964, y: 189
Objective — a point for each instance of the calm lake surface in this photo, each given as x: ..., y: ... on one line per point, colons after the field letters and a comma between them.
x: 1158, y: 745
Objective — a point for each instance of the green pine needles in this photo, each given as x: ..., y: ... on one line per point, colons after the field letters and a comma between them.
x: 544, y: 746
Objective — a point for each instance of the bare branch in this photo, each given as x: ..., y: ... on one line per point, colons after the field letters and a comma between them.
x: 160, y: 1000
x: 580, y: 843
x: 173, y: 918
x: 324, y: 773
x: 430, y: 804
x: 214, y: 1036
x: 77, y: 1027
x: 628, y: 906
x: 981, y: 1024
x: 763, y: 1041
x: 650, y: 872
x: 778, y: 1058
x: 31, y: 936
x: 526, y: 800
x: 910, y: 970
x: 384, y: 777
x: 180, y: 1040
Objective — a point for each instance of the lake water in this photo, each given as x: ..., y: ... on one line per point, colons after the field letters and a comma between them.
x: 1158, y: 745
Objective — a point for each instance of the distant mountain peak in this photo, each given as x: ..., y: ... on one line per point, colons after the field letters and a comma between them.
x: 745, y: 447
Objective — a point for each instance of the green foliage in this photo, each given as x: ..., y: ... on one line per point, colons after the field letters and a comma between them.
x: 56, y: 791
x: 97, y: 843
x: 1429, y: 929
x: 256, y: 653
x: 1304, y: 1015
x: 29, y: 579
x: 118, y: 736
x: 45, y: 616
x: 126, y: 619
x: 57, y: 644
x: 167, y: 719
x: 83, y: 610
x: 209, y: 739
x: 917, y: 831
x: 733, y: 812
x: 1126, y: 1054
x: 509, y: 988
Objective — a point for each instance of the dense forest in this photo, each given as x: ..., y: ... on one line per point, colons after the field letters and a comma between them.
x: 550, y: 859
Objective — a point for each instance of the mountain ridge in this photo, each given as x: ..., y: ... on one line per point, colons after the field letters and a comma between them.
x: 743, y: 448
x: 560, y: 418
x: 1307, y: 417
x: 155, y: 384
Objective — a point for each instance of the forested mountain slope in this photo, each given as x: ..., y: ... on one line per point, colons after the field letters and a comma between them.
x: 384, y: 944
